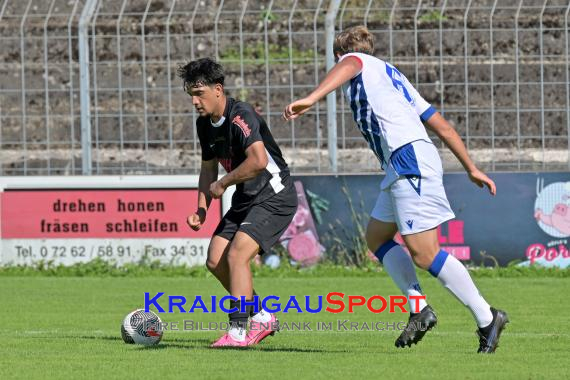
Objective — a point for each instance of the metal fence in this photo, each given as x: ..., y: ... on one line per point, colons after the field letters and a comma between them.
x: 90, y: 87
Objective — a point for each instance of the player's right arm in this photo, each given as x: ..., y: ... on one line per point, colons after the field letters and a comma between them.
x: 208, y: 175
x: 345, y: 70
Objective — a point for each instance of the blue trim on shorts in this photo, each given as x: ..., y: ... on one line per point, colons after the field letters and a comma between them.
x: 405, y: 163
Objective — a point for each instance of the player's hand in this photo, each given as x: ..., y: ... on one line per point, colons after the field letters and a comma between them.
x: 480, y: 179
x: 297, y: 108
x: 217, y: 189
x: 196, y: 220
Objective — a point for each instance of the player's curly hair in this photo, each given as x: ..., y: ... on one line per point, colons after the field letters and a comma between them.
x: 356, y: 39
x: 202, y: 72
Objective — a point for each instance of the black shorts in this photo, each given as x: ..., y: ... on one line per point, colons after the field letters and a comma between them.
x: 264, y: 222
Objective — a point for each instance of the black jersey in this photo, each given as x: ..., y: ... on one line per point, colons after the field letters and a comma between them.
x: 228, y: 139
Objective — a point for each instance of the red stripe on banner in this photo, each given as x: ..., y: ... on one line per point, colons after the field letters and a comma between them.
x: 460, y: 252
x: 103, y: 214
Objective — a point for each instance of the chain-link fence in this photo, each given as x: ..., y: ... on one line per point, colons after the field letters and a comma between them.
x: 90, y: 86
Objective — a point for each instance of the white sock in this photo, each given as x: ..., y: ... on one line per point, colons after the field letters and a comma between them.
x: 400, y: 267
x: 262, y: 317
x: 453, y: 275
x: 237, y: 333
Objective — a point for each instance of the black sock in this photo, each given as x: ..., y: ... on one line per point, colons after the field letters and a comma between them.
x: 251, y: 309
x: 237, y: 318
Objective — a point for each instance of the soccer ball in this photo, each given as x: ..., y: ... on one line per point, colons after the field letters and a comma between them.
x: 141, y: 327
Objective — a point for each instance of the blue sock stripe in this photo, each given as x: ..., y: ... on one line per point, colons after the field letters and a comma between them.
x: 384, y: 248
x: 437, y: 263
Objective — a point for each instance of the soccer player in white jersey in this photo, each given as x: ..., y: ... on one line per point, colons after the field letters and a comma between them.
x: 389, y: 113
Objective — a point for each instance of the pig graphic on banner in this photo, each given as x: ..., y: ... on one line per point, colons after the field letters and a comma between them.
x: 552, y: 214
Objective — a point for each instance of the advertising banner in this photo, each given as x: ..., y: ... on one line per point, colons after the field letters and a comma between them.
x: 66, y: 226
x: 528, y: 221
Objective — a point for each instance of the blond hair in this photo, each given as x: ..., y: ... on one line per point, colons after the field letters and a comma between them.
x: 356, y: 39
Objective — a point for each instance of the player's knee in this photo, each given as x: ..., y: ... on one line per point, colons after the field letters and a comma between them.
x: 236, y: 258
x: 212, y: 265
x: 422, y: 262
x: 422, y: 259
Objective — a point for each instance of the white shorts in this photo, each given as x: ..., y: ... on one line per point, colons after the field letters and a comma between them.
x: 412, y: 193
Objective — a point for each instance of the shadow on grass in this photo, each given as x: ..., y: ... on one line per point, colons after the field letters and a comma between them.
x: 180, y: 343
x: 99, y: 337
x: 171, y: 343
x: 189, y: 345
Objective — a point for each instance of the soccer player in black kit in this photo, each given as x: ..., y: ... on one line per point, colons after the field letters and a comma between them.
x: 232, y: 134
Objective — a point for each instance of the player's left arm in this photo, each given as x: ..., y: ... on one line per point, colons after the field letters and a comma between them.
x: 451, y: 138
x: 255, y: 162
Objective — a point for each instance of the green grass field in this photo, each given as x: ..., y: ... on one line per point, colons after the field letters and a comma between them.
x: 68, y: 327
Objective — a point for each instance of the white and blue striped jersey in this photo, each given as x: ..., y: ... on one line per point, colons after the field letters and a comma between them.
x: 386, y: 107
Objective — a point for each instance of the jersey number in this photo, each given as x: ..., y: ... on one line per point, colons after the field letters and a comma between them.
x: 396, y: 77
